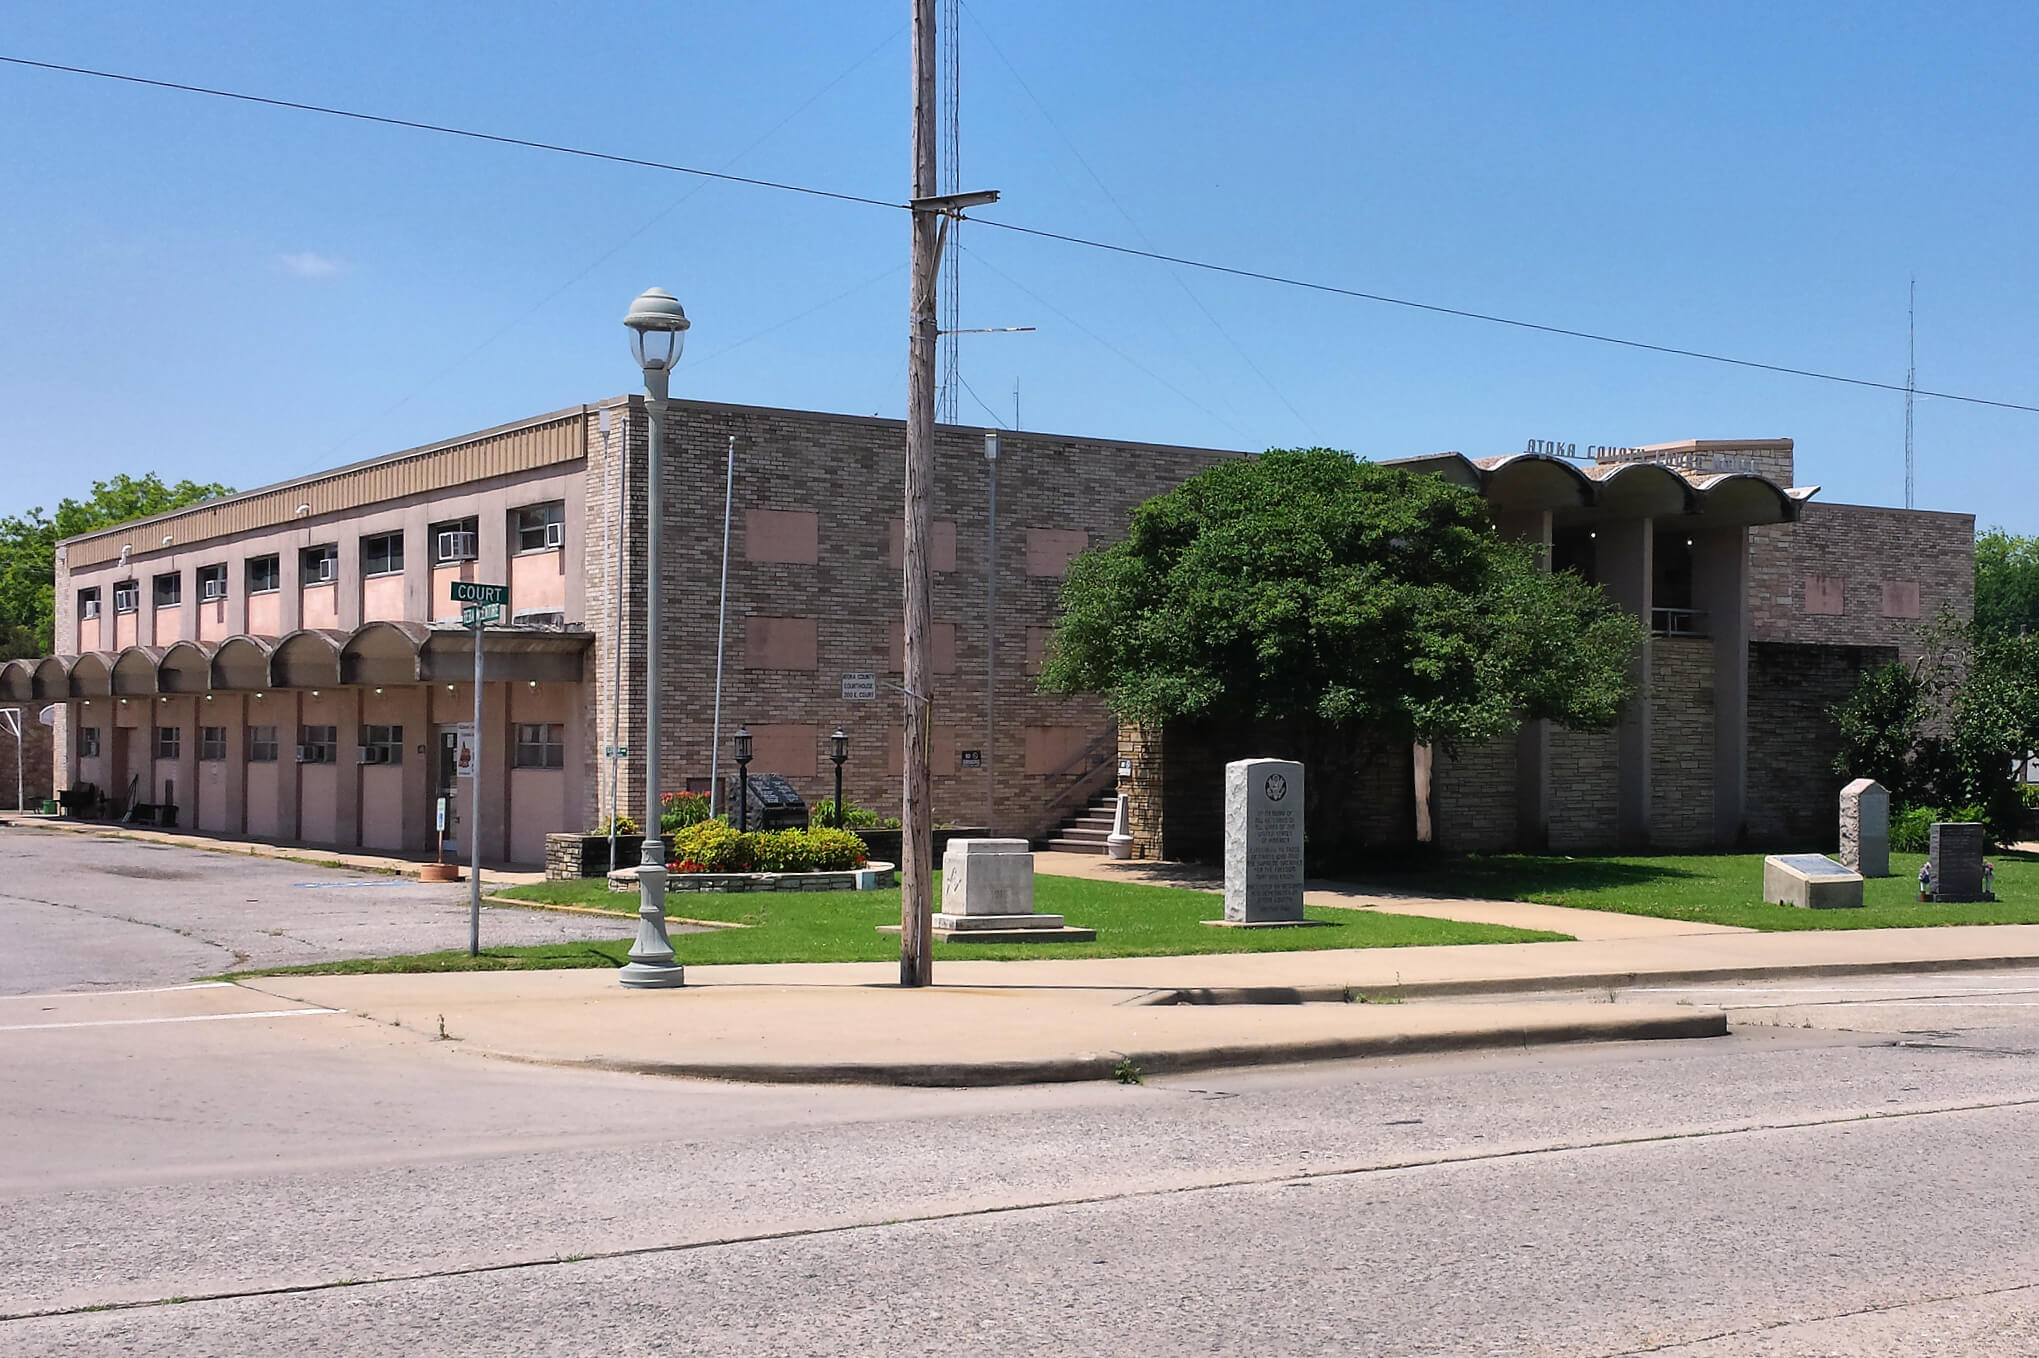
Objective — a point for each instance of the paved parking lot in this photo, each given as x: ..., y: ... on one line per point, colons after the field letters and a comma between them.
x: 91, y: 912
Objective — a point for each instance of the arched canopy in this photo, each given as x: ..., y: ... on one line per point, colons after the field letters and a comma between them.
x: 242, y: 663
x: 1643, y: 490
x: 384, y: 653
x: 134, y: 670
x: 1535, y: 481
x: 17, y: 679
x: 1742, y: 500
x: 185, y: 668
x: 307, y: 659
x: 91, y: 677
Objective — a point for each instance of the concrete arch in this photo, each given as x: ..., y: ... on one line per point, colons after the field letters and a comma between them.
x: 91, y: 676
x: 17, y: 681
x: 134, y: 670
x: 307, y: 659
x: 186, y: 667
x: 1743, y: 499
x: 1536, y: 481
x: 384, y: 653
x: 1645, y: 490
x: 242, y: 663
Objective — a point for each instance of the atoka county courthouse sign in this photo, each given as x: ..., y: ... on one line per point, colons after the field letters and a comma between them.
x: 1685, y: 460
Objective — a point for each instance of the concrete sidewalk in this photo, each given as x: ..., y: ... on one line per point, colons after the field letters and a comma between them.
x: 1032, y: 1021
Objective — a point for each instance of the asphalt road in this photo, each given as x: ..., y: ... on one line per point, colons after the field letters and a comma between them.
x: 1850, y: 1172
x: 102, y: 912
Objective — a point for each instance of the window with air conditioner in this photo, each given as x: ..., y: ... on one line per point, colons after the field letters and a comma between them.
x: 127, y: 597
x: 541, y: 528
x: 380, y: 745
x: 458, y: 540
x: 212, y: 583
x: 318, y: 565
x: 315, y: 744
x: 88, y: 603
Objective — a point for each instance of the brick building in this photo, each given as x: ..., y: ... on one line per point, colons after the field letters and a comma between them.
x: 286, y: 663
x: 1762, y: 605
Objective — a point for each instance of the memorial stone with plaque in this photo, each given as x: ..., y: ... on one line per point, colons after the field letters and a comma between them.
x: 1263, y: 842
x: 1957, y: 861
x: 1865, y: 827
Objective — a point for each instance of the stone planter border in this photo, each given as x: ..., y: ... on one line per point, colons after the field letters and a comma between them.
x: 870, y: 877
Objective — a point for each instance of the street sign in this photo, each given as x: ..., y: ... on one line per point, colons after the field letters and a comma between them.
x: 615, y: 752
x: 859, y: 686
x: 475, y: 615
x: 468, y: 592
x: 442, y: 816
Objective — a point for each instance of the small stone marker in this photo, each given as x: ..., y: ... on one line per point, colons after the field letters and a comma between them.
x: 988, y: 896
x: 1957, y: 861
x: 1264, y: 842
x: 1865, y: 827
x: 1811, y: 881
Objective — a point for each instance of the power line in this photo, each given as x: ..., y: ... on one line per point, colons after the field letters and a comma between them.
x: 1039, y: 233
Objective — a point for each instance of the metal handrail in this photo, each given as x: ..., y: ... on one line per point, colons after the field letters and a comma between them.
x: 1094, y: 758
x: 1677, y: 622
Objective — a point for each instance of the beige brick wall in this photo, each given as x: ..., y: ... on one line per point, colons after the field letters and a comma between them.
x: 1681, y: 743
x: 1472, y: 797
x: 1582, y: 790
x: 1862, y: 557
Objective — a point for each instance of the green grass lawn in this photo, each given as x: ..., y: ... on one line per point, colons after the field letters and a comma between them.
x: 1717, y: 889
x: 842, y: 926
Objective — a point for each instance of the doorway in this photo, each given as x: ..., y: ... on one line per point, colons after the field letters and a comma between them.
x: 446, y: 783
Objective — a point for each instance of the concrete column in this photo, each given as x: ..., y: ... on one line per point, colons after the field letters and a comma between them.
x: 1720, y: 590
x: 1532, y: 741
x: 290, y: 577
x: 347, y: 601
x: 285, y: 708
x: 418, y: 547
x: 1623, y: 560
x: 231, y: 711
x: 347, y: 779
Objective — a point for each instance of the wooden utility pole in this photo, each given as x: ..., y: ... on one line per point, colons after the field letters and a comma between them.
x: 916, y: 897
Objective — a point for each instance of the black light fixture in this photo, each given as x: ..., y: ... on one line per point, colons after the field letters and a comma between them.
x: 839, y: 751
x: 742, y: 741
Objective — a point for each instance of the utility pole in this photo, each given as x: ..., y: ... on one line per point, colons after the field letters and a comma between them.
x: 1911, y: 380
x: 932, y: 213
x: 916, y: 897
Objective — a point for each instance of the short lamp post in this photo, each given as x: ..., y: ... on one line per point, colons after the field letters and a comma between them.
x: 658, y: 331
x: 742, y: 741
x: 839, y: 751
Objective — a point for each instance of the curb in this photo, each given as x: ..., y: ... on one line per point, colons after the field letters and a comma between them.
x: 1534, y: 985
x: 605, y: 914
x: 1106, y: 1065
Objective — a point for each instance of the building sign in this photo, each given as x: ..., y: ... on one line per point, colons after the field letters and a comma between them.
x: 859, y: 686
x: 1686, y: 461
x: 463, y: 749
x: 973, y: 759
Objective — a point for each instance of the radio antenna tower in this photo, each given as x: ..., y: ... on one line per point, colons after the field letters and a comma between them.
x: 1911, y: 382
x: 949, y: 34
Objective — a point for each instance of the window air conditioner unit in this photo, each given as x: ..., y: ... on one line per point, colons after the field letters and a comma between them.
x: 368, y: 754
x: 305, y: 755
x: 457, y: 546
x: 555, y: 534
x: 329, y: 569
x: 213, y: 589
x: 91, y: 609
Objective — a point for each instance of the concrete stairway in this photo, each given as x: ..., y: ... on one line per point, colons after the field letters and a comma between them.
x: 1086, y: 831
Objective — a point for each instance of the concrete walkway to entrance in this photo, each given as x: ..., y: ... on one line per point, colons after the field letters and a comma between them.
x: 1580, y: 924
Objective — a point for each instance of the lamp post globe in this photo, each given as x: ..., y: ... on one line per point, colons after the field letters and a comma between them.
x: 658, y: 331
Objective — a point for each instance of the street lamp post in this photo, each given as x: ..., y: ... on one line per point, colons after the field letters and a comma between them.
x: 658, y: 331
x: 742, y: 741
x: 839, y: 751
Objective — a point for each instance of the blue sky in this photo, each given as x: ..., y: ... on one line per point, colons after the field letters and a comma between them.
x: 222, y: 291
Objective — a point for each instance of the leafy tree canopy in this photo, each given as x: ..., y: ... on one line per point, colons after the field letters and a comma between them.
x: 1306, y: 584
x: 28, y: 544
x: 2006, y: 584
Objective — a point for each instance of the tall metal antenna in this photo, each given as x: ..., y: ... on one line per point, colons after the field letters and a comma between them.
x: 1911, y: 382
x: 949, y: 36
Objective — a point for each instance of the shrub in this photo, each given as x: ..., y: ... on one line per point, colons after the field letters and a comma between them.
x: 1911, y: 829
x: 854, y: 816
x: 714, y: 846
x: 624, y: 826
x: 678, y: 810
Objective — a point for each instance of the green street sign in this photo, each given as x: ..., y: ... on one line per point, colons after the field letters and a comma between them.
x: 467, y: 592
x: 474, y: 615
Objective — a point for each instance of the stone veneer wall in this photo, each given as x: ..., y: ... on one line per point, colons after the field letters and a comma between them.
x: 1175, y: 796
x: 1866, y: 548
x: 1472, y: 798
x: 1793, y: 797
x: 832, y: 595
x: 1681, y: 743
x: 1583, y: 790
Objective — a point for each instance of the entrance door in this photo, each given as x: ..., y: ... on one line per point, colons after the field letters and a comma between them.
x: 447, y: 781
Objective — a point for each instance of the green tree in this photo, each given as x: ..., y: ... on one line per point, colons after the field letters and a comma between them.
x: 1363, y: 604
x: 2006, y: 584
x: 28, y: 545
x: 1880, y: 725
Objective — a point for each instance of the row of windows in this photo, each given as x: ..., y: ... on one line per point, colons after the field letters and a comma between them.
x: 538, y: 528
x: 539, y: 745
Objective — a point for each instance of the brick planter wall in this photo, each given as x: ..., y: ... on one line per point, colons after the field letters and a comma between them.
x: 570, y: 856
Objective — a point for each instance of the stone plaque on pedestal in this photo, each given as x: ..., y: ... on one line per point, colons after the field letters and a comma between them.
x: 1865, y: 827
x: 1957, y: 861
x: 1263, y: 841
